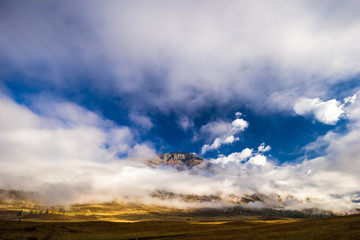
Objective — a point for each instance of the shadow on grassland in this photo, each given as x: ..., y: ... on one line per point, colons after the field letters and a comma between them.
x: 346, y: 227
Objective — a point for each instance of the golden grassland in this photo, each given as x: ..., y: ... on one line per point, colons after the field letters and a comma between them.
x: 120, y: 212
x: 25, y: 220
x: 346, y: 227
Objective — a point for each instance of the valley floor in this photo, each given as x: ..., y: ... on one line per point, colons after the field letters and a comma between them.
x: 346, y: 227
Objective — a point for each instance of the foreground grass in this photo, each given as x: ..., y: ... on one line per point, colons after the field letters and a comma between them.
x: 347, y: 227
x: 116, y: 220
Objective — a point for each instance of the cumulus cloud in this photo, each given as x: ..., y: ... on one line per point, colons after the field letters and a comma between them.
x: 238, y: 114
x: 235, y: 157
x: 239, y: 125
x: 262, y: 148
x: 218, y: 142
x: 343, y: 149
x: 258, y: 160
x: 223, y: 131
x: 246, y: 157
x: 328, y: 112
x: 215, y: 129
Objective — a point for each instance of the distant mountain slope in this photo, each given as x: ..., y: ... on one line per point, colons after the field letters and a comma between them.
x: 177, y: 159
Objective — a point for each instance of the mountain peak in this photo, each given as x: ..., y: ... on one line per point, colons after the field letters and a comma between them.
x: 179, y: 159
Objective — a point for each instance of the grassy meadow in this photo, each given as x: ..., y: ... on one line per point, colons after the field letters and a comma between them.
x: 25, y: 220
x: 347, y: 227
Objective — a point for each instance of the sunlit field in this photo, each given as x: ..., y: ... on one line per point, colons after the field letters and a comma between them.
x: 25, y: 220
x: 347, y: 227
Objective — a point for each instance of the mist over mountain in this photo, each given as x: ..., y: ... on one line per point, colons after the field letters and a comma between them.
x: 186, y: 161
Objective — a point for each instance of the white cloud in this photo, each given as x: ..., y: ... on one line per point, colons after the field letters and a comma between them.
x: 328, y: 112
x: 218, y: 142
x: 120, y: 140
x: 142, y: 121
x: 246, y: 156
x: 262, y: 148
x: 350, y: 100
x: 185, y: 123
x: 223, y: 131
x: 238, y: 114
x: 235, y: 157
x: 142, y: 151
x: 65, y: 132
x: 230, y: 139
x: 258, y: 159
x: 259, y: 52
x: 69, y: 114
x: 239, y: 125
x: 215, y: 129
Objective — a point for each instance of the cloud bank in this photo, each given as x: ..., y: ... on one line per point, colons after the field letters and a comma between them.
x: 74, y: 155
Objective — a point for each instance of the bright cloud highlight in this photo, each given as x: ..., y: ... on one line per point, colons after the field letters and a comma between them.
x: 225, y: 131
x: 328, y: 112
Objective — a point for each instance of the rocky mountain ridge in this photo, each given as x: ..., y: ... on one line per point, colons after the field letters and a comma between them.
x: 177, y: 159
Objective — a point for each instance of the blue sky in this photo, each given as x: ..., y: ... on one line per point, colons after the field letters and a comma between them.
x: 211, y: 78
x: 285, y: 131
